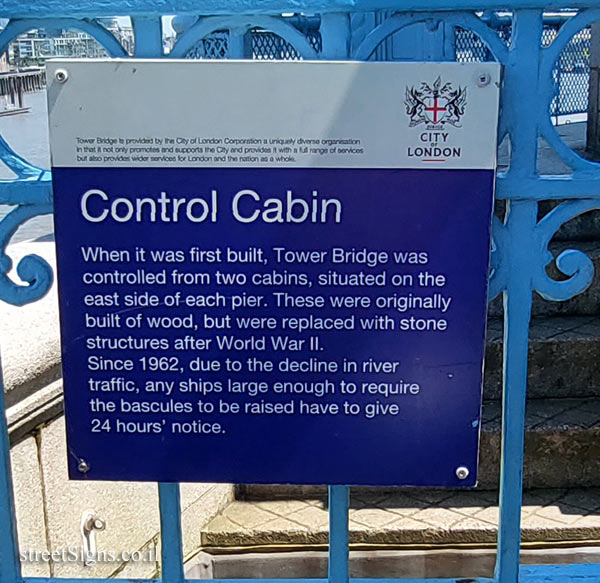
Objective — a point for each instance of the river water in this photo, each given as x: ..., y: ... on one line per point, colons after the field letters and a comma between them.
x: 27, y: 134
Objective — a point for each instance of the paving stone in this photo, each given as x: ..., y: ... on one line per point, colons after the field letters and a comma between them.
x: 282, y: 491
x: 372, y: 495
x: 561, y: 512
x: 248, y: 516
x: 129, y: 509
x: 560, y: 433
x: 200, y: 503
x: 439, y: 517
x: 284, y: 507
x: 587, y: 500
x: 534, y: 499
x: 313, y: 517
x: 222, y: 531
x: 396, y: 503
x: 147, y: 568
x: 374, y: 517
x: 430, y: 496
x: 464, y: 517
x: 489, y: 515
x: 292, y: 527
x: 29, y: 505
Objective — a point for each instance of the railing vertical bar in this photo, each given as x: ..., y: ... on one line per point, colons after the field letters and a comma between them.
x: 339, y: 501
x: 237, y: 45
x: 521, y: 78
x: 517, y: 315
x: 335, y: 36
x: 148, y: 37
x: 10, y: 567
x: 170, y: 532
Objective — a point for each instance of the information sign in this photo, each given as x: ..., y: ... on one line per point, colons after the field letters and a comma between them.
x: 273, y: 272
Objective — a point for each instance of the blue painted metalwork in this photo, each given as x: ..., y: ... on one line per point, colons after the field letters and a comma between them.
x: 170, y: 528
x: 520, y: 221
x: 66, y: 8
x: 571, y: 71
x: 339, y: 500
x: 358, y: 29
x: 10, y: 569
x: 31, y: 191
x: 238, y: 27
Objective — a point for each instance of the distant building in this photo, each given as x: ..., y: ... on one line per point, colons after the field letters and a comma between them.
x: 3, y: 56
x: 34, y: 47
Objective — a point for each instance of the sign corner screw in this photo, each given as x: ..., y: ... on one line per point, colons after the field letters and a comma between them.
x: 483, y: 79
x: 83, y: 466
x: 462, y: 473
x: 61, y: 75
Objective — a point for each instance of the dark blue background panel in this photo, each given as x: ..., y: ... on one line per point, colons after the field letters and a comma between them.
x: 418, y: 438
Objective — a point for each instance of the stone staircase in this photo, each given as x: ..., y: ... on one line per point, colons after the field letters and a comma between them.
x: 562, y: 455
x: 561, y: 506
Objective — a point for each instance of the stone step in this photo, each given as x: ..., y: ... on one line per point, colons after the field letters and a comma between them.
x: 406, y: 518
x: 414, y: 562
x: 587, y: 303
x: 563, y: 358
x: 562, y: 450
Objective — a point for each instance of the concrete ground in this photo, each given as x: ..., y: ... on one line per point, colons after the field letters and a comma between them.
x: 50, y: 507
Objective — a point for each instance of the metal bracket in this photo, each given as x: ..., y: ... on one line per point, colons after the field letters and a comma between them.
x: 90, y: 523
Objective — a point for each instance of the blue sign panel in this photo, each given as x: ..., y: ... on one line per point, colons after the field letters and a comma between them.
x: 254, y: 323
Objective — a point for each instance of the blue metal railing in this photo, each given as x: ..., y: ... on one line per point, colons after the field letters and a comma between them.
x: 570, y: 74
x: 520, y: 240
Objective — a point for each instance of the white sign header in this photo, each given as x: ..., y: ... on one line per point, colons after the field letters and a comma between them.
x: 161, y: 113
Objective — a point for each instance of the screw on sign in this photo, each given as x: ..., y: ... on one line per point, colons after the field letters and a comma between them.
x: 462, y: 473
x: 483, y: 79
x: 61, y: 75
x: 83, y: 466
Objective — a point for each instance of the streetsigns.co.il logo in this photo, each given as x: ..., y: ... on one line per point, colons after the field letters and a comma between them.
x: 438, y: 108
